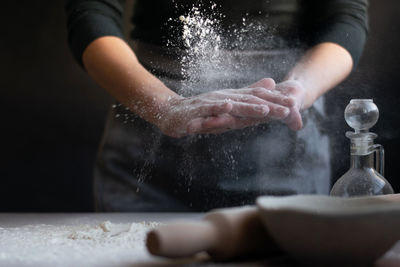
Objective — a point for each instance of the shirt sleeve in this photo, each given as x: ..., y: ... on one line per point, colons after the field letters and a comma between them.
x: 344, y: 22
x: 88, y: 20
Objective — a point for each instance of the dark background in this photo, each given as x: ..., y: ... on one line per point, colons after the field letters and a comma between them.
x: 52, y: 114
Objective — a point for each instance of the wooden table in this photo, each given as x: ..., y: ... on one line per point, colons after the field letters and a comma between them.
x: 16, y: 220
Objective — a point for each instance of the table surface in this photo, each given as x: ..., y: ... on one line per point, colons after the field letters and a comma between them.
x: 9, y: 221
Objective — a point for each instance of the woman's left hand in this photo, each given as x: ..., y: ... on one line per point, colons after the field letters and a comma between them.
x: 296, y: 90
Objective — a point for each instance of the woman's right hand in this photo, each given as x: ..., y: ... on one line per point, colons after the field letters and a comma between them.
x: 223, y: 110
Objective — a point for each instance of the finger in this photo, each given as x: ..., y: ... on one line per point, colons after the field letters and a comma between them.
x: 267, y: 83
x: 223, y: 121
x: 210, y: 109
x: 294, y: 120
x: 272, y: 110
x: 249, y: 110
x: 216, y: 124
x: 194, y: 126
x: 269, y: 95
x: 227, y: 122
x: 287, y: 88
x: 210, y: 124
x: 245, y: 97
x: 278, y: 112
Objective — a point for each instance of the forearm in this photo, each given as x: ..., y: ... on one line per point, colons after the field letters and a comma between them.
x: 320, y: 69
x: 114, y: 66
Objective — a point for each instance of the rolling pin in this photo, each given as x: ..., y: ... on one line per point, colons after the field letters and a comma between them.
x: 224, y: 234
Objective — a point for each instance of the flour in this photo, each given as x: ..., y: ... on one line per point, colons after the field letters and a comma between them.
x: 219, y: 56
x: 213, y: 52
x: 89, y: 245
x: 202, y: 40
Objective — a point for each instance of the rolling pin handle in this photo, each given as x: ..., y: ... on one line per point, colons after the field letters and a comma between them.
x: 183, y: 239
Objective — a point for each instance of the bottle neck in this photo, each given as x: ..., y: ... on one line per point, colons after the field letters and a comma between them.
x: 362, y: 146
x: 362, y: 161
x: 361, y: 149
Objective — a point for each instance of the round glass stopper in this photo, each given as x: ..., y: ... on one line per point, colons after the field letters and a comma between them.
x: 361, y: 114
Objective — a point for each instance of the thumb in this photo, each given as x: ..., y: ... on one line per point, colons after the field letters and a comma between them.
x: 294, y: 120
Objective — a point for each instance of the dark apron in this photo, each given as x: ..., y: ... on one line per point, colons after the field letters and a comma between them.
x: 140, y: 169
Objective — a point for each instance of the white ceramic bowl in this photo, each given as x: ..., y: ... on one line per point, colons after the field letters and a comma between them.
x: 329, y: 229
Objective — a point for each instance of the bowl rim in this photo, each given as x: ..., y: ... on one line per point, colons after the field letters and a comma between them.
x: 322, y: 205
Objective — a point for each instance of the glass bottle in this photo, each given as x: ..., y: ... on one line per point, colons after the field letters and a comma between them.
x: 365, y: 176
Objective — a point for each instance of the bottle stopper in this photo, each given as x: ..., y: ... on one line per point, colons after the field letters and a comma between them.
x: 361, y: 115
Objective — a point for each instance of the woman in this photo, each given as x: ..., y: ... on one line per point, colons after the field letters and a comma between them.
x: 179, y: 139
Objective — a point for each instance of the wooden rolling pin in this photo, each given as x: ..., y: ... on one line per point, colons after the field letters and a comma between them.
x: 224, y: 234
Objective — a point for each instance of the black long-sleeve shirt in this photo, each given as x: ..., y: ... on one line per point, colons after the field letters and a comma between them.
x: 344, y: 22
x: 230, y: 168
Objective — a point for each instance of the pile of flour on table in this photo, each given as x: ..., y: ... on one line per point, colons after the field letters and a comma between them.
x: 102, y: 244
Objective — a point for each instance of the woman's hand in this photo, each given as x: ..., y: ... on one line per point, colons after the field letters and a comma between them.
x: 320, y: 69
x: 223, y: 110
x: 296, y: 91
